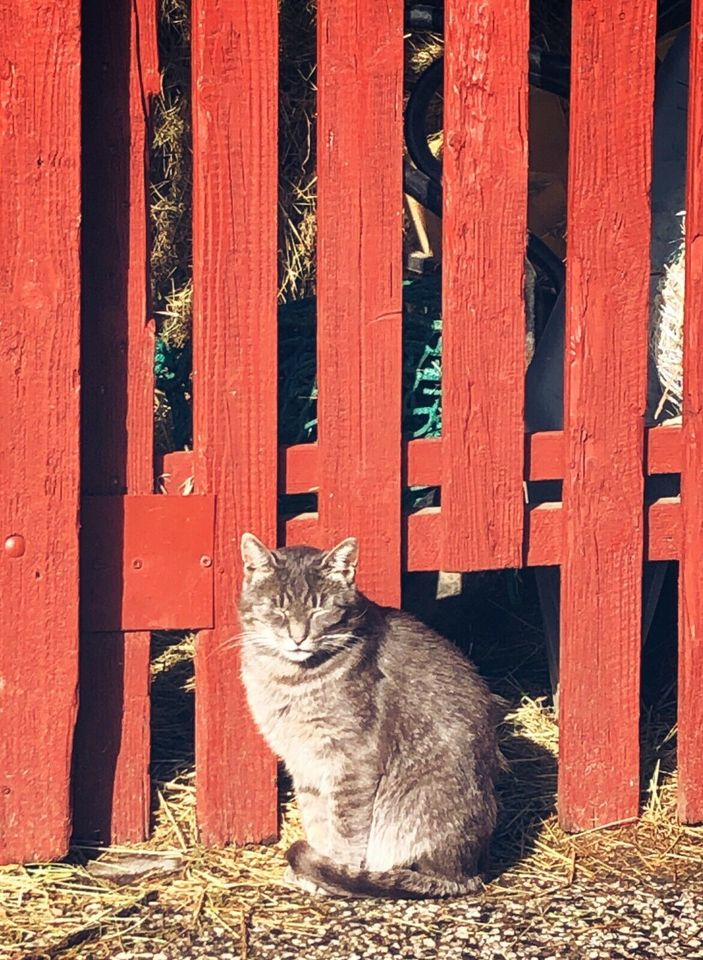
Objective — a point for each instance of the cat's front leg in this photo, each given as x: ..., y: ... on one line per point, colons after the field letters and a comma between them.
x: 351, y: 803
x: 313, y: 805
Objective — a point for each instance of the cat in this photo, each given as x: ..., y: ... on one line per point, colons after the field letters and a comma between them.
x: 388, y: 732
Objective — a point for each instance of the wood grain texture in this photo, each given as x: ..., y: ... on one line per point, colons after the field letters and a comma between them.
x: 544, y: 540
x: 235, y: 70
x: 39, y: 416
x: 612, y: 88
x: 484, y: 231
x: 422, y: 459
x: 359, y: 217
x: 120, y: 74
x: 690, y: 704
x: 112, y: 753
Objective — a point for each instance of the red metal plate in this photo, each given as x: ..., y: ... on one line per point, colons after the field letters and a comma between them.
x: 147, y: 563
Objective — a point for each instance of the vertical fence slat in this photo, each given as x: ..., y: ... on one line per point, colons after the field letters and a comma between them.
x: 612, y: 92
x: 111, y: 755
x: 39, y: 417
x: 690, y: 709
x: 484, y: 233
x: 359, y: 215
x: 235, y: 95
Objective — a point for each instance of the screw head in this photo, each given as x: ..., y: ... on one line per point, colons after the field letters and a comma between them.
x: 15, y: 546
x: 137, y: 564
x: 205, y: 561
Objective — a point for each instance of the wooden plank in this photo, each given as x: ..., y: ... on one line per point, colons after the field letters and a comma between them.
x: 664, y: 449
x: 115, y: 752
x: 543, y: 534
x: 664, y: 529
x: 235, y: 76
x: 545, y: 452
x: 484, y: 230
x: 174, y: 472
x: 606, y: 380
x: 690, y: 704
x: 39, y: 416
x: 359, y: 275
x: 422, y: 459
x: 299, y: 467
x: 112, y: 789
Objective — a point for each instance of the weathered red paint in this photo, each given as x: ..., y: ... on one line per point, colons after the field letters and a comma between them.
x: 483, y: 240
x: 39, y: 462
x: 690, y: 704
x: 235, y: 71
x: 111, y: 780
x: 422, y: 459
x: 612, y: 88
x: 544, y: 534
x: 174, y: 472
x: 359, y: 275
x: 112, y: 756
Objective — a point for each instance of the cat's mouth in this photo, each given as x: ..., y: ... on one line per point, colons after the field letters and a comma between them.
x: 298, y: 655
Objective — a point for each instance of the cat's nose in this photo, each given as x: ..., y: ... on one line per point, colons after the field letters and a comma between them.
x: 298, y: 632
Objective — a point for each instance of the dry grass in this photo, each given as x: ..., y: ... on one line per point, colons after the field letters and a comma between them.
x: 666, y: 332
x: 55, y: 909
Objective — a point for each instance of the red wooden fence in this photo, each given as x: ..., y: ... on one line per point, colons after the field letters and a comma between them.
x: 690, y: 725
x: 135, y: 544
x: 605, y: 397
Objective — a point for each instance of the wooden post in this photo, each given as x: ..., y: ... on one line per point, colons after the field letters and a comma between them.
x: 39, y: 417
x: 485, y: 228
x: 111, y: 757
x: 612, y: 91
x: 359, y: 321
x: 235, y: 96
x: 690, y: 718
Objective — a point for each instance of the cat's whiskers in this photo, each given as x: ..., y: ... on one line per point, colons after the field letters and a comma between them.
x: 240, y: 640
x: 340, y: 641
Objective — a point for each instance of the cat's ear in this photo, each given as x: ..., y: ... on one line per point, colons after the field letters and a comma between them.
x: 255, y: 556
x: 340, y: 562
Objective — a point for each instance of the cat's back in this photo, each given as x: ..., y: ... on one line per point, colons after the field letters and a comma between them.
x: 428, y: 673
x: 416, y: 651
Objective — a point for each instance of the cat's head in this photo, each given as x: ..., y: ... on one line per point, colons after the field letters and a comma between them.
x: 296, y: 601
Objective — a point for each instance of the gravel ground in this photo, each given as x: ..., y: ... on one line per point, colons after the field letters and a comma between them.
x: 594, y: 921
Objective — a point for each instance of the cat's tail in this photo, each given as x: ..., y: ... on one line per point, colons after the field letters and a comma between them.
x: 397, y: 884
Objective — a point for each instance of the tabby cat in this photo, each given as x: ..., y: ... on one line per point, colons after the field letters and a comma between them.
x: 388, y: 732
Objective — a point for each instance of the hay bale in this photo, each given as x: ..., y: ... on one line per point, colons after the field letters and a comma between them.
x: 666, y: 332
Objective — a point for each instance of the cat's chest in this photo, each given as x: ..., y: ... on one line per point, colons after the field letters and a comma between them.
x: 308, y: 728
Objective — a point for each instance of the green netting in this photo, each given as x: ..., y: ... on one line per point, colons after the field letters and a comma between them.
x: 297, y: 368
x: 421, y: 364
